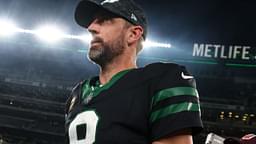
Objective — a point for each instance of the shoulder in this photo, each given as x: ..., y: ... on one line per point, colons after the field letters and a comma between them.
x: 174, y: 101
x: 164, y: 68
x: 161, y: 67
x: 74, y: 95
x: 168, y: 72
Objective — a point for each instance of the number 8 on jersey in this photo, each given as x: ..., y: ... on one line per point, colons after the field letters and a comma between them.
x: 86, y: 122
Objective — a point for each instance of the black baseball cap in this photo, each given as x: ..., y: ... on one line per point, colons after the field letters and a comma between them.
x: 126, y: 9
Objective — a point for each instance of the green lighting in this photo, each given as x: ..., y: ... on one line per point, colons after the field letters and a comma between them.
x: 240, y: 65
x: 197, y: 62
x: 154, y: 58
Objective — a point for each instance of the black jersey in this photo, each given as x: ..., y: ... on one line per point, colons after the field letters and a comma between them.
x: 138, y: 106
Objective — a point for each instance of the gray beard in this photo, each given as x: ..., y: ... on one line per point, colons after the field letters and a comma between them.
x: 106, y: 52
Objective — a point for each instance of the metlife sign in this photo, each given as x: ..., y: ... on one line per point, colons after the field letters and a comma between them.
x: 218, y: 51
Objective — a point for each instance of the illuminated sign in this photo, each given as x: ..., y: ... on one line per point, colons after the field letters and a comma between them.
x: 218, y: 51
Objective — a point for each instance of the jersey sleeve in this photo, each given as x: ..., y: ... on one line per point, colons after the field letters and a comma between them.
x: 175, y: 103
x: 70, y: 101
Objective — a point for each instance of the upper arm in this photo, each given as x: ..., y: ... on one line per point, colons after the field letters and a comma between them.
x: 180, y: 139
x: 183, y: 137
x: 175, y: 106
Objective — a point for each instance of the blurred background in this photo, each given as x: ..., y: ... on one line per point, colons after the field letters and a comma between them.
x: 43, y: 55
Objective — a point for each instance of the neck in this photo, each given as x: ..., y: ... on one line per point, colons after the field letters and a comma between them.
x: 119, y: 64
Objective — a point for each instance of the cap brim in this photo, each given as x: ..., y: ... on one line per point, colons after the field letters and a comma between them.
x: 84, y: 12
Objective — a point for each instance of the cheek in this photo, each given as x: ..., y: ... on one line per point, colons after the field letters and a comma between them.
x: 113, y: 33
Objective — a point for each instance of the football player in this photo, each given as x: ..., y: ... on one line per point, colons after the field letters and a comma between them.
x: 124, y: 104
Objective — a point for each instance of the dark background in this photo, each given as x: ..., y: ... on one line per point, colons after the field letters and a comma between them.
x: 36, y: 77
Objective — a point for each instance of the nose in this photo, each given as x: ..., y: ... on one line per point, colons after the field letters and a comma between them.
x: 94, y: 27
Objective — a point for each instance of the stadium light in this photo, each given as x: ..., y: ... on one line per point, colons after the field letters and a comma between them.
x: 85, y: 38
x: 7, y: 28
x: 149, y: 43
x: 49, y: 33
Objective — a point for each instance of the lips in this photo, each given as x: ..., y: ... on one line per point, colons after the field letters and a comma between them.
x: 96, y: 40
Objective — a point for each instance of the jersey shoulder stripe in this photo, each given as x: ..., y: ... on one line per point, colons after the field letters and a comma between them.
x: 173, y: 109
x: 174, y: 92
x: 171, y: 92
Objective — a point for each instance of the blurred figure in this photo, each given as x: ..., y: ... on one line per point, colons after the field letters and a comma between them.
x: 247, y: 139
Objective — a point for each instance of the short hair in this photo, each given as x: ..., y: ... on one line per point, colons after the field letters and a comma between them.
x: 140, y: 45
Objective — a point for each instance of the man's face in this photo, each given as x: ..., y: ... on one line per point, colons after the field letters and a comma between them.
x: 108, y: 40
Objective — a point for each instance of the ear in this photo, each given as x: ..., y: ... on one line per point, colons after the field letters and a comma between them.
x: 134, y: 34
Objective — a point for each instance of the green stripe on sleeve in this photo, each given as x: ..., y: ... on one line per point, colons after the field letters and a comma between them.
x: 173, y: 109
x: 176, y: 91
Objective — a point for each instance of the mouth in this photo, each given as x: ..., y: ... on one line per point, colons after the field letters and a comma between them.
x: 95, y: 42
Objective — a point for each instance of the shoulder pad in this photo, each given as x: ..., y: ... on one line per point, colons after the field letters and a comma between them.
x: 74, y: 96
x: 77, y: 85
x: 159, y: 68
x: 167, y: 75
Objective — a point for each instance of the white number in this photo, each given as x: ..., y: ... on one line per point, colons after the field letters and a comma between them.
x: 90, y: 119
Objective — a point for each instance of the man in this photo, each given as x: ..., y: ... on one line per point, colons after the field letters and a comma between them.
x: 157, y: 104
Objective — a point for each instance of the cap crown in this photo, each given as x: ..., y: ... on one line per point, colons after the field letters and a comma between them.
x: 126, y: 9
